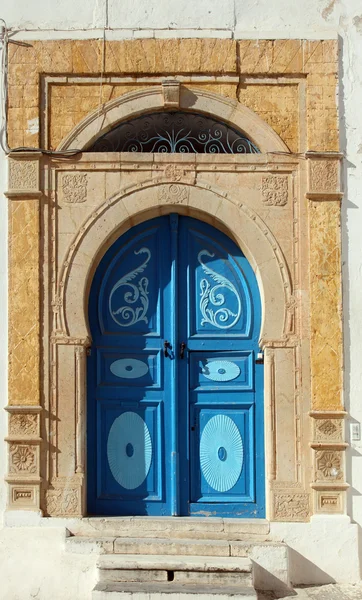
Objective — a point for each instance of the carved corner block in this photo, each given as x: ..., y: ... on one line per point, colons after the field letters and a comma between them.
x: 63, y: 499
x: 324, y: 179
x: 24, y: 178
x: 330, y: 502
x: 22, y: 496
x: 171, y: 93
x: 24, y: 457
x: 73, y: 187
x: 23, y: 460
x: 329, y: 455
x: 274, y: 190
x: 291, y: 506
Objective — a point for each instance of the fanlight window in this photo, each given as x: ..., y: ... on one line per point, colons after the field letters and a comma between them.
x: 175, y: 132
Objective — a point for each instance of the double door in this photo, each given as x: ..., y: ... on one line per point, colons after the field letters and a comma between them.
x: 175, y: 388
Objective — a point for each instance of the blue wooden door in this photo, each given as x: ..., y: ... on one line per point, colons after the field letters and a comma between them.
x: 175, y: 396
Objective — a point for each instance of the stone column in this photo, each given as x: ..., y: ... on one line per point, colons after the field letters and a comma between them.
x: 24, y: 430
x: 327, y: 412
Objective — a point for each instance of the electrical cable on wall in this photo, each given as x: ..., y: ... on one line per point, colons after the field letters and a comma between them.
x: 4, y: 42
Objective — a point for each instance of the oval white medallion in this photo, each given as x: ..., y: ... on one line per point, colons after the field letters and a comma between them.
x: 221, y: 370
x: 129, y: 368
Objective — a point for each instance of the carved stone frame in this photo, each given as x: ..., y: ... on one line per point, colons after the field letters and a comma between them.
x: 263, y: 202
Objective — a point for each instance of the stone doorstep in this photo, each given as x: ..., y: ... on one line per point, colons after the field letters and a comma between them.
x: 155, y: 546
x: 196, y: 563
x: 157, y: 591
x: 190, y: 570
x: 177, y: 527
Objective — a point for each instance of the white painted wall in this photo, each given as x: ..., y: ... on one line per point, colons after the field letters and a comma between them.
x: 230, y: 18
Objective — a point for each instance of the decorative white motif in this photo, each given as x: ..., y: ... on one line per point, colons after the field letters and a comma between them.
x: 221, y: 453
x: 129, y: 450
x: 137, y: 292
x: 221, y: 370
x: 221, y: 316
x: 129, y: 368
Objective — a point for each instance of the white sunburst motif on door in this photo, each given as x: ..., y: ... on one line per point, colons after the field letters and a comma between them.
x: 129, y: 450
x: 221, y: 453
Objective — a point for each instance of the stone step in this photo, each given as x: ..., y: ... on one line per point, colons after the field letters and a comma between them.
x: 203, y: 570
x: 161, y: 546
x: 170, y: 591
x: 175, y: 527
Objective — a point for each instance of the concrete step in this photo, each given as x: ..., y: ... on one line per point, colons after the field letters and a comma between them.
x: 202, y: 570
x: 175, y: 527
x: 170, y: 591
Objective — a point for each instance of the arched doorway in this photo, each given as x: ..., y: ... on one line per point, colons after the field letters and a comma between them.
x: 175, y: 392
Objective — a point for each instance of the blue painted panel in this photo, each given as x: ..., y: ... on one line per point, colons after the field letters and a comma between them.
x: 134, y: 369
x: 213, y: 370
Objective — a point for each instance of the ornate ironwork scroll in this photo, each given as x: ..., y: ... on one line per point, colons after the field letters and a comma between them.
x: 175, y: 132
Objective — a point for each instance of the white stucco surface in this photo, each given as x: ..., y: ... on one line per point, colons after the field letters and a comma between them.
x: 336, y: 557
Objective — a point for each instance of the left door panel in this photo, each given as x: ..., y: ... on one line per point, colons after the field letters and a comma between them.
x: 128, y: 469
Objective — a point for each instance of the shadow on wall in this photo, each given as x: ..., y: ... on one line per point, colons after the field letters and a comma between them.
x: 309, y: 571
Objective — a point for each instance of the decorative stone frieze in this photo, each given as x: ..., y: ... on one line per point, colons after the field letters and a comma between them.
x: 291, y: 507
x: 63, y: 501
x: 174, y: 194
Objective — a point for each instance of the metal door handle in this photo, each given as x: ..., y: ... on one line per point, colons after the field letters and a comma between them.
x: 166, y: 345
x: 182, y: 349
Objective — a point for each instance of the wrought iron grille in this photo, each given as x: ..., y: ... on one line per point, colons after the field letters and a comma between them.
x: 175, y: 132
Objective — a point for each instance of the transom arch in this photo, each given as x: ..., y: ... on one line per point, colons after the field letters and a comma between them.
x: 140, y: 204
x: 151, y: 100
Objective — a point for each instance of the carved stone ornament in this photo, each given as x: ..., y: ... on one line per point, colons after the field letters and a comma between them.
x: 23, y: 175
x: 62, y: 502
x: 174, y: 172
x: 328, y: 465
x: 328, y: 430
x: 23, y: 459
x: 74, y: 187
x: 174, y: 194
x: 330, y: 502
x: 291, y: 507
x: 274, y: 190
x: 323, y: 175
x: 23, y: 424
x: 171, y: 93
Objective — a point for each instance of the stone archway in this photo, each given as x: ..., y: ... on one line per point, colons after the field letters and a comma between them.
x: 257, y: 199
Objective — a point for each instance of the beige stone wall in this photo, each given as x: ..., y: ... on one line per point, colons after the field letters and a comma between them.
x: 280, y: 101
x: 282, y: 208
